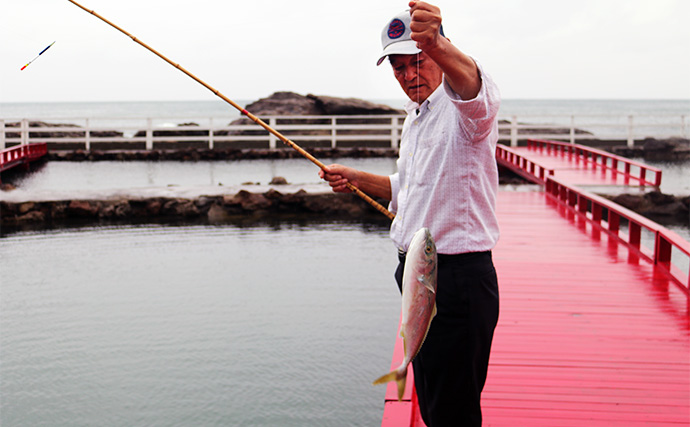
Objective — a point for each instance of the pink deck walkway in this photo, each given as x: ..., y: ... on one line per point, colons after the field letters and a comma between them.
x: 586, y: 166
x: 589, y: 334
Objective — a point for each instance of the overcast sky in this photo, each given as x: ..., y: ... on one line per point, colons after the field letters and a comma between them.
x: 534, y: 49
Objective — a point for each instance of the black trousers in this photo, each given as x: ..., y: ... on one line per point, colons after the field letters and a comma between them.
x: 450, y: 370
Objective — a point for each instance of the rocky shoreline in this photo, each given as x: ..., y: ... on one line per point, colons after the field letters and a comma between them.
x: 256, y: 206
x: 214, y: 209
x: 197, y: 154
x: 659, y: 207
x: 670, y: 149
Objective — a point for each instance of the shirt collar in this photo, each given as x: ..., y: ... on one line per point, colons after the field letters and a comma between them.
x: 433, y: 99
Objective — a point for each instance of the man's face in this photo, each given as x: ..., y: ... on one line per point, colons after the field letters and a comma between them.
x: 418, y: 75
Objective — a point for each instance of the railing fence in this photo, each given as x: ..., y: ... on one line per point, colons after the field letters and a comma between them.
x: 608, y: 216
x: 328, y: 131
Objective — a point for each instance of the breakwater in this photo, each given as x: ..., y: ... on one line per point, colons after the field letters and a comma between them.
x: 196, y: 154
x: 243, y: 206
x: 659, y: 207
x: 255, y: 206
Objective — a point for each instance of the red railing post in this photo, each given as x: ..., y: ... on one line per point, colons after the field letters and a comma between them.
x: 582, y: 204
x: 614, y: 221
x: 634, y: 234
x: 662, y: 252
x: 596, y: 212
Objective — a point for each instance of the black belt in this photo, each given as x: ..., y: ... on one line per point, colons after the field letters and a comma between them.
x: 448, y: 257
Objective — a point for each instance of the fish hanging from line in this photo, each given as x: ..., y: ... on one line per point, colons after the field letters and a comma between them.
x: 27, y: 64
x: 418, y: 303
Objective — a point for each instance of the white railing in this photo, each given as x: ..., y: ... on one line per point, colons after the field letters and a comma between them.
x: 332, y: 131
x: 573, y: 128
x: 326, y: 131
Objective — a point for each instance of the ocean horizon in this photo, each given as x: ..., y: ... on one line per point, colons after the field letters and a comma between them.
x: 219, y: 108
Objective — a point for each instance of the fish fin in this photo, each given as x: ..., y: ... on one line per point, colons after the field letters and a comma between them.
x: 401, y: 386
x: 399, y: 377
x: 426, y: 284
x: 433, y: 314
x: 391, y: 376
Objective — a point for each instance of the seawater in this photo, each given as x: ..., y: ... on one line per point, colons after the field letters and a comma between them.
x: 108, y: 175
x: 280, y: 325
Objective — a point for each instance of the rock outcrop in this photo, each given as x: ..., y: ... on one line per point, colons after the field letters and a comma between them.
x: 242, y: 206
x: 656, y: 206
x: 290, y: 103
x: 671, y: 149
x: 196, y: 154
x: 293, y: 104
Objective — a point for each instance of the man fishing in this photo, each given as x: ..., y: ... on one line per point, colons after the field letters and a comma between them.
x: 447, y: 181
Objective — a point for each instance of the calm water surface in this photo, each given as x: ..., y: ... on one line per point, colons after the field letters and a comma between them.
x: 76, y: 176
x: 205, y: 326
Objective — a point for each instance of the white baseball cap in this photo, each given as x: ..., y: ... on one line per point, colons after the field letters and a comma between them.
x: 396, y: 39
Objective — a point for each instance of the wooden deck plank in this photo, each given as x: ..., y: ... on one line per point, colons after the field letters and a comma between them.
x: 585, y: 336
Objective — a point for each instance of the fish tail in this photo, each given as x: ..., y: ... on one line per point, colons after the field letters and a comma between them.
x: 397, y: 376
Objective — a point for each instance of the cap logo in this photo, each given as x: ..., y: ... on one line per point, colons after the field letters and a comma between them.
x: 396, y: 29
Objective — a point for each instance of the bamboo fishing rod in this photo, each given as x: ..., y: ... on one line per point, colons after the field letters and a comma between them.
x: 252, y: 117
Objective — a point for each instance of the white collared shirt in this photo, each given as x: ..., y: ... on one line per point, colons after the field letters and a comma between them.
x: 447, y: 176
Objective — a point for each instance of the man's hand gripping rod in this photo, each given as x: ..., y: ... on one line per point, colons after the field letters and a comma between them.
x: 252, y: 117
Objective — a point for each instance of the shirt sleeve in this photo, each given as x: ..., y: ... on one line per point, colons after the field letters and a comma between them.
x: 479, y: 114
x: 395, y: 188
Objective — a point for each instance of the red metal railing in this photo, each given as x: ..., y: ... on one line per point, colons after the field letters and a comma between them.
x: 594, y: 208
x: 21, y: 154
x: 521, y: 165
x: 599, y: 159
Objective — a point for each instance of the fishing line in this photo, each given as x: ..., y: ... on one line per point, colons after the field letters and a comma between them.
x: 418, y: 96
x: 252, y: 117
x: 27, y: 64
